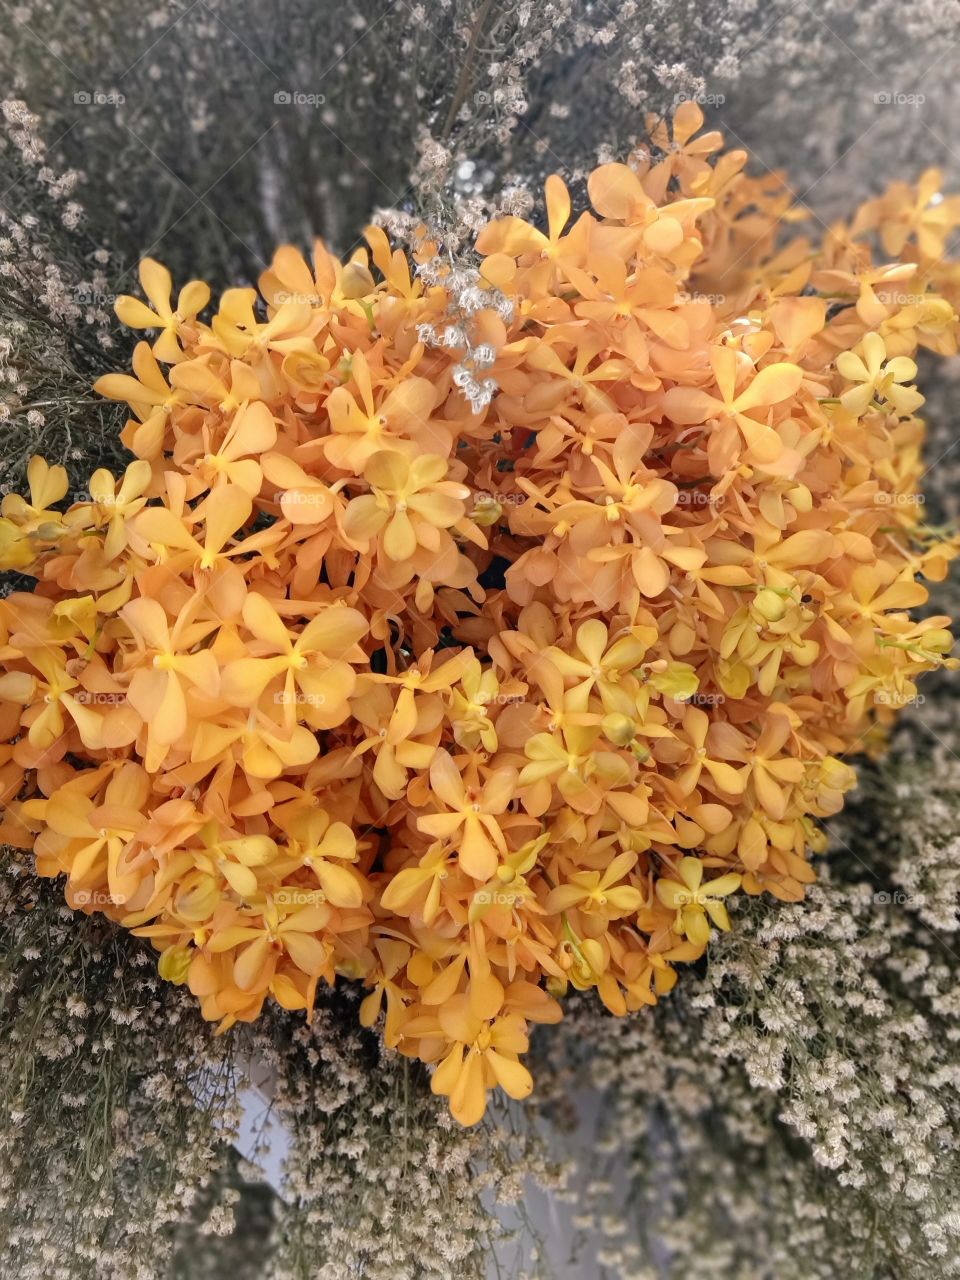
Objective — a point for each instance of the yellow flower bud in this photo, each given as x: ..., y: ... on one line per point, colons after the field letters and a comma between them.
x: 50, y: 532
x: 770, y: 604
x: 618, y: 728
x: 356, y: 281
x: 734, y: 678
x: 939, y: 641
x: 593, y: 963
x: 676, y: 680
x: 802, y: 498
x: 487, y: 511
x: 174, y: 963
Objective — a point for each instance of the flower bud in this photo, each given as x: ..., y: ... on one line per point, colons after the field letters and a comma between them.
x: 939, y: 641
x: 770, y: 604
x: 618, y: 728
x: 487, y: 511
x: 174, y: 964
x: 356, y: 281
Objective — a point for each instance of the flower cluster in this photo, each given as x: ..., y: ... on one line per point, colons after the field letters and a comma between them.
x: 478, y: 697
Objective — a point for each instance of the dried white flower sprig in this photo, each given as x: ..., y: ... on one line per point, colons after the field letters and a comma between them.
x: 56, y: 322
x: 118, y: 1108
x: 798, y: 1115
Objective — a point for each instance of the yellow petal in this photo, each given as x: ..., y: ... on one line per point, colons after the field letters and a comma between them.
x: 306, y: 952
x: 135, y: 314
x: 399, y: 538
x: 468, y: 1101
x: 339, y: 884
x: 696, y: 926
x: 771, y: 385
x: 262, y: 619
x: 512, y: 1076
x: 388, y: 470
x: 333, y: 632
x: 444, y: 1079
x: 615, y: 191
x: 241, y: 879
x: 157, y: 284
x: 248, y: 968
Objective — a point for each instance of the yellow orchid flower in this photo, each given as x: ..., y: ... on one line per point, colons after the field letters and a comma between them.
x: 150, y: 397
x: 392, y: 956
x: 769, y: 386
x: 406, y: 886
x: 597, y: 663
x: 471, y: 704
x: 257, y: 948
x: 362, y: 429
x: 227, y: 388
x: 114, y: 504
x: 484, y: 1054
x: 235, y: 859
x: 409, y: 503
x: 251, y: 433
x: 92, y: 836
x: 321, y: 846
x: 696, y: 901
x: 314, y: 664
x: 877, y: 378
x: 599, y: 892
x: 475, y: 809
x: 47, y: 486
x: 237, y: 332
x: 158, y: 688
x: 158, y: 286
x: 582, y: 773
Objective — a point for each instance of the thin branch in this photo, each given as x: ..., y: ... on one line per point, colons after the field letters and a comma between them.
x: 463, y: 83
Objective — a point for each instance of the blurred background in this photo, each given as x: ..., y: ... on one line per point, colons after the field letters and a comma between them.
x: 207, y: 131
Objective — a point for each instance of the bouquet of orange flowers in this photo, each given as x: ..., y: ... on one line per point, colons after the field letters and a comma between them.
x: 474, y: 636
